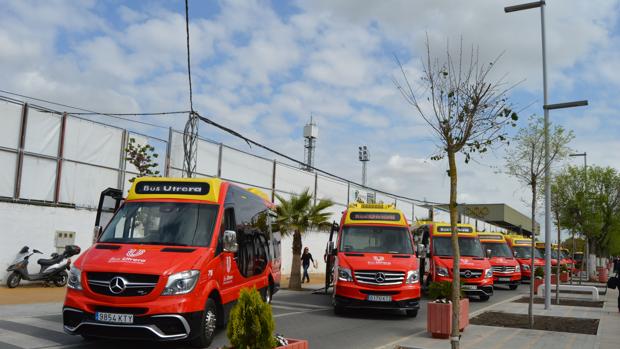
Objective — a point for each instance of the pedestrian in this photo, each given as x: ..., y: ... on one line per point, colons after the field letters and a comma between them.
x: 617, y: 271
x: 306, y: 257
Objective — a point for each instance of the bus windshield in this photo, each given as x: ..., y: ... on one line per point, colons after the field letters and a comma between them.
x: 162, y: 223
x: 497, y: 249
x: 376, y: 240
x: 525, y: 252
x: 469, y: 247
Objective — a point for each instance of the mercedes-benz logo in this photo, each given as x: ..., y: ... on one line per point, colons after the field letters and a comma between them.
x: 379, y: 277
x: 467, y: 273
x: 117, y: 285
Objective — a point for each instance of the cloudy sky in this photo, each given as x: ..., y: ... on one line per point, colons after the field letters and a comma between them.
x: 263, y: 67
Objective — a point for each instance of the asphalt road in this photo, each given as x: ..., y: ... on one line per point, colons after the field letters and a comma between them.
x: 297, y: 314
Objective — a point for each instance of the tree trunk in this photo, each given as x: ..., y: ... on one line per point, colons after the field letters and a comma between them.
x: 295, y: 279
x: 456, y: 276
x: 530, y: 311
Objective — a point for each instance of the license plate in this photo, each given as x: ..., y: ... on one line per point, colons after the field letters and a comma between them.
x: 114, y: 318
x: 504, y: 279
x: 470, y: 287
x: 375, y: 298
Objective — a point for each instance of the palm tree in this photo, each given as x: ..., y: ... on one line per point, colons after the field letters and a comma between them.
x: 296, y: 216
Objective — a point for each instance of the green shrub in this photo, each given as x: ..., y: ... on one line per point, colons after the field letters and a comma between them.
x: 251, y: 323
x: 442, y: 290
x: 539, y: 272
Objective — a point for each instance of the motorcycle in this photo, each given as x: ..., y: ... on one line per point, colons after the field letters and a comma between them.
x: 53, y: 270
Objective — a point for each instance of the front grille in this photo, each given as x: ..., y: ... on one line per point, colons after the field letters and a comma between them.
x: 134, y: 284
x: 380, y: 293
x: 503, y: 269
x: 471, y: 273
x: 379, y: 277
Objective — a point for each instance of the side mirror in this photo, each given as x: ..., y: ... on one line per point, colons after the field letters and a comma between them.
x: 97, y: 230
x: 489, y: 252
x: 24, y: 250
x: 230, y: 241
x: 421, y: 251
x: 330, y: 248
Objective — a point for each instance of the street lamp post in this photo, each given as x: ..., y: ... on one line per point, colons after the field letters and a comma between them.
x: 364, y: 157
x: 546, y: 108
x: 585, y: 189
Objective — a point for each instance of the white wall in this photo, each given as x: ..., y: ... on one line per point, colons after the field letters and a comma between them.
x: 315, y: 241
x: 35, y: 226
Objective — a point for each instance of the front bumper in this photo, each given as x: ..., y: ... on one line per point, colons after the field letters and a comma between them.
x: 351, y: 295
x: 506, y: 279
x: 160, y: 327
x: 480, y: 290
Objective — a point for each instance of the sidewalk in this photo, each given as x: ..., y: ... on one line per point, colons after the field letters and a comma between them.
x: 489, y: 337
x: 31, y: 293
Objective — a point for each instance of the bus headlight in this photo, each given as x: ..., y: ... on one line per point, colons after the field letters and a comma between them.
x: 344, y: 274
x: 488, y: 273
x: 413, y: 276
x: 75, y: 279
x: 442, y: 271
x: 517, y: 269
x: 181, y: 283
x: 526, y: 267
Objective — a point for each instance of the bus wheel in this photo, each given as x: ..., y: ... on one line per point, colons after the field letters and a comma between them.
x: 412, y: 312
x: 207, y: 326
x: 269, y: 292
x: 513, y: 287
x: 484, y: 297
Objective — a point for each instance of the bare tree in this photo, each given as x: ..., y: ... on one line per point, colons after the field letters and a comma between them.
x: 526, y: 162
x: 468, y: 112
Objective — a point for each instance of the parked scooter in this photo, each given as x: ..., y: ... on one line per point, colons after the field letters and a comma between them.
x: 53, y: 270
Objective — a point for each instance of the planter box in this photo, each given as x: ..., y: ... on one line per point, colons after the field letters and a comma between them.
x: 554, y: 278
x: 564, y: 277
x: 296, y: 344
x: 603, y: 274
x: 538, y: 282
x: 439, y: 318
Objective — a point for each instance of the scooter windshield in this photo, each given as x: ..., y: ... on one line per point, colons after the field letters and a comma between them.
x: 162, y: 223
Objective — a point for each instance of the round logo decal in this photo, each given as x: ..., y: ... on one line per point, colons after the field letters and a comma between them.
x: 379, y: 277
x: 135, y: 252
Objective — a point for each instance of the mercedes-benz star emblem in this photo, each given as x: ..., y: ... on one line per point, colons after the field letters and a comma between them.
x: 379, y: 277
x: 117, y: 285
x: 467, y: 273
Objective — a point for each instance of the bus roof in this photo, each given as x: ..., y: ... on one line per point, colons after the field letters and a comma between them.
x: 518, y: 240
x: 491, y: 237
x: 385, y: 214
x: 201, y: 189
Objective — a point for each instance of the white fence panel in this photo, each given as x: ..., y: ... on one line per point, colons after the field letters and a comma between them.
x: 7, y: 173
x: 293, y: 180
x: 92, y: 143
x: 82, y: 184
x: 207, y: 158
x: 11, y: 115
x: 242, y: 167
x: 406, y: 207
x: 42, y: 132
x: 176, y: 152
x: 334, y: 190
x: 38, y: 178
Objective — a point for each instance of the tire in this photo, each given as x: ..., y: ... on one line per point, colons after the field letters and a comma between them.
x: 513, y: 287
x: 339, y: 310
x: 412, y: 313
x: 61, y: 279
x: 269, y: 293
x: 208, y: 323
x: 484, y: 297
x: 13, y: 280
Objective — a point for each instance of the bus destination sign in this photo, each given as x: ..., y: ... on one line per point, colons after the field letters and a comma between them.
x: 183, y: 188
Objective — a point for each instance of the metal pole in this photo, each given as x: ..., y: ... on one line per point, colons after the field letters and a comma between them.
x: 364, y: 173
x: 557, y: 276
x: 585, y: 185
x: 547, y: 169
